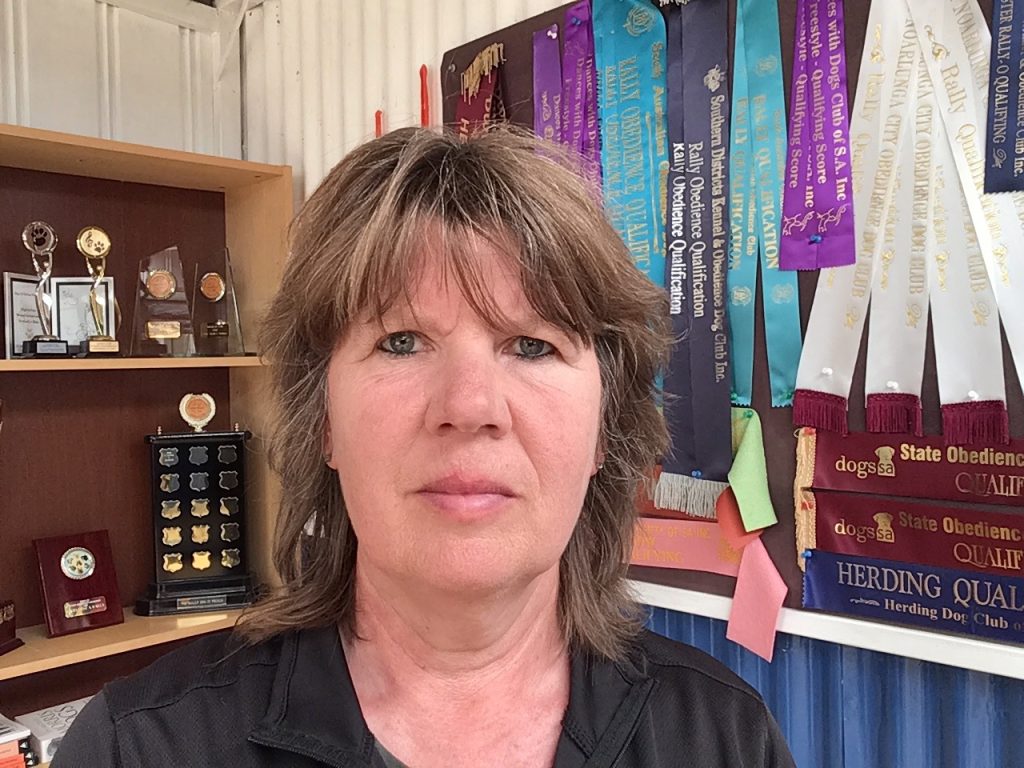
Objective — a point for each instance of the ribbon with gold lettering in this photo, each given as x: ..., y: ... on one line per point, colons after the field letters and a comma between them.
x: 547, y: 84
x: 914, y: 532
x: 914, y: 467
x: 898, y: 332
x: 955, y: 41
x: 697, y: 383
x: 968, y: 347
x: 888, y: 67
x: 817, y: 204
x: 480, y: 101
x: 757, y: 156
x: 1004, y: 141
x: 936, y: 598
x: 579, y: 90
x: 629, y: 49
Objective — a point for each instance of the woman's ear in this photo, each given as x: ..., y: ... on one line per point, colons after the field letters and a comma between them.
x: 328, y: 446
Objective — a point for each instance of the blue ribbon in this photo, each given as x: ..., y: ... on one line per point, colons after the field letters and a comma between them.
x: 985, y: 605
x: 1004, y: 157
x: 629, y: 48
x: 757, y: 159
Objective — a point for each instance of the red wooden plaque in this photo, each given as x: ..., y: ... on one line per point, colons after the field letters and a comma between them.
x: 79, y: 585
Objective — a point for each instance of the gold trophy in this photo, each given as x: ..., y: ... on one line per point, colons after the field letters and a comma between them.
x: 94, y: 244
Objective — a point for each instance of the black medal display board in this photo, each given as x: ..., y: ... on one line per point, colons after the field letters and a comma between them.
x: 198, y: 512
x: 777, y: 423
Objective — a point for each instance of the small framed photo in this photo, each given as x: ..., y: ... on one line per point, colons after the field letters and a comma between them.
x: 72, y: 315
x: 21, y: 318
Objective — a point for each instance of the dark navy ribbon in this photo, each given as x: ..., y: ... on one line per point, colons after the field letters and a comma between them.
x: 682, y: 459
x: 705, y: 84
x: 985, y: 605
x: 1004, y: 151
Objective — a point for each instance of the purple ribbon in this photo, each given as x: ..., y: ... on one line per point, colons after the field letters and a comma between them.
x: 817, y: 207
x: 580, y: 130
x: 547, y: 84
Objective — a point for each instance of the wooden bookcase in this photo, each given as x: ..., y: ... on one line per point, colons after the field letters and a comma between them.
x: 72, y: 451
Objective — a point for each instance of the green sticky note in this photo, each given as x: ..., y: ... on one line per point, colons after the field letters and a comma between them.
x: 749, y: 474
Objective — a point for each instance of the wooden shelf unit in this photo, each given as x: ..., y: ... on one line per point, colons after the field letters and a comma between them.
x: 128, y: 363
x: 40, y: 653
x: 257, y: 209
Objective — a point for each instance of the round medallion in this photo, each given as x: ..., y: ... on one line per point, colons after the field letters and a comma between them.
x: 197, y: 410
x: 78, y: 563
x: 161, y: 284
x: 94, y: 242
x: 212, y: 286
x: 39, y: 238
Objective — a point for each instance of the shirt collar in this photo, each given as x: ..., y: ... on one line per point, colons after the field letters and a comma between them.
x: 313, y: 710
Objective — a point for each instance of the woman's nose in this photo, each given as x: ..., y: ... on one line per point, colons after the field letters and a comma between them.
x: 469, y: 392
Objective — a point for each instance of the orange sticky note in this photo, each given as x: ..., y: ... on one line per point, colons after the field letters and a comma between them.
x: 727, y: 510
x: 760, y: 591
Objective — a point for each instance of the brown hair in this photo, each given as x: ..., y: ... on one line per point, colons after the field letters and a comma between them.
x: 355, y: 247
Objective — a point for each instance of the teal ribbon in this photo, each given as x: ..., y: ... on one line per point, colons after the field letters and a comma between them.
x: 757, y: 159
x: 629, y: 50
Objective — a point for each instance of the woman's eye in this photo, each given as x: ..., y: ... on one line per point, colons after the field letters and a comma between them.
x: 531, y: 349
x: 401, y: 344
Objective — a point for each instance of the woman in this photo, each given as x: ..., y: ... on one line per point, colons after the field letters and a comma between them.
x: 464, y: 358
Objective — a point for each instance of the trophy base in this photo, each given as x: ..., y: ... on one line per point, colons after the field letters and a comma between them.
x: 9, y: 645
x: 197, y: 596
x: 42, y: 347
x: 99, y: 345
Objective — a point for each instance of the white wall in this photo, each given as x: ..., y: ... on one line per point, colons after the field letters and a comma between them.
x: 317, y: 70
x: 142, y: 71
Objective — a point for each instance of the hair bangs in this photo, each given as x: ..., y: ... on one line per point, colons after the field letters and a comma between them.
x: 445, y: 209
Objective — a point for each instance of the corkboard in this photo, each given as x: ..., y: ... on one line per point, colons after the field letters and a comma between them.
x: 72, y: 453
x: 780, y: 443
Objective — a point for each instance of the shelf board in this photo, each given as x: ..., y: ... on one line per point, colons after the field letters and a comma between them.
x: 55, y: 152
x: 41, y: 652
x: 127, y: 363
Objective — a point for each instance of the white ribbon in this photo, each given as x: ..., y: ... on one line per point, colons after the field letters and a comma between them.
x: 877, y: 122
x: 956, y: 42
x: 898, y: 333
x: 968, y: 348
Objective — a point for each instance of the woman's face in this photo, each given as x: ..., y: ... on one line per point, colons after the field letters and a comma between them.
x: 463, y: 452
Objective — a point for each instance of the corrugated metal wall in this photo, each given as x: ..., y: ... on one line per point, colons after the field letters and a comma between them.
x: 98, y: 69
x: 842, y: 707
x: 317, y: 70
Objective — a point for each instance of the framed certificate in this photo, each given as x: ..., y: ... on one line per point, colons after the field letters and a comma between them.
x: 21, y: 319
x: 72, y: 315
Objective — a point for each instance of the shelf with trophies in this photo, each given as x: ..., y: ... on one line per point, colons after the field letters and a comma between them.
x: 187, y: 250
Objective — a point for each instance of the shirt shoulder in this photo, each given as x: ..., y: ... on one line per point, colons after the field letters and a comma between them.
x: 213, y: 662
x: 671, y: 661
x: 728, y: 724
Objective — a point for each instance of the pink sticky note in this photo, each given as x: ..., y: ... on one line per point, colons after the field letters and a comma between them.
x: 760, y: 591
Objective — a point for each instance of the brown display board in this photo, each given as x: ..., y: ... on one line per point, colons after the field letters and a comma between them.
x: 780, y: 443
